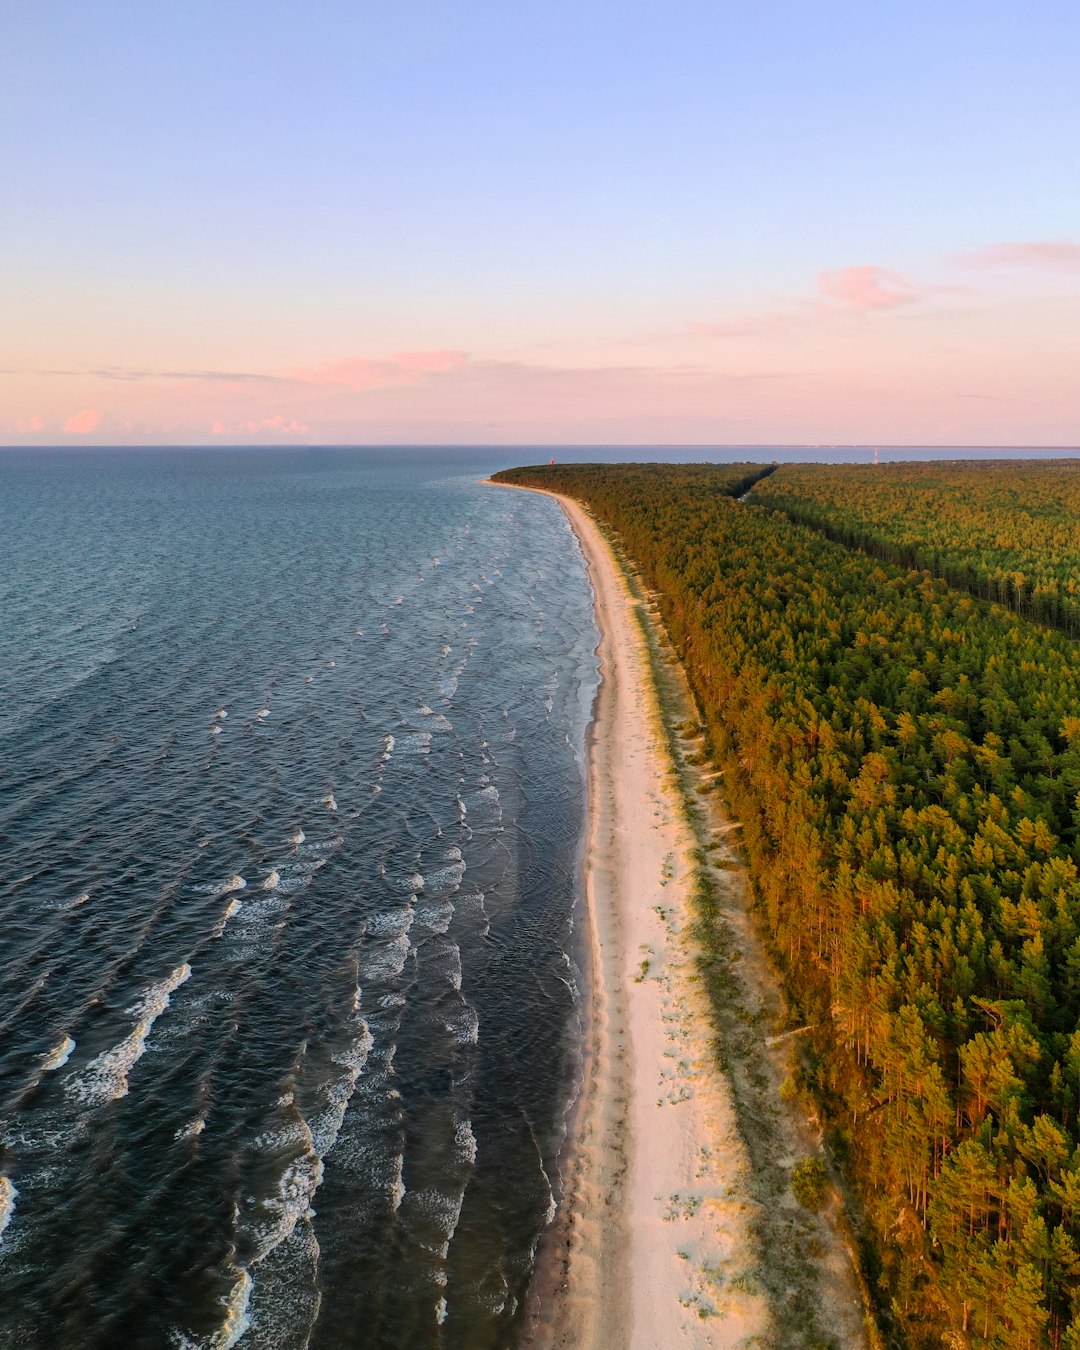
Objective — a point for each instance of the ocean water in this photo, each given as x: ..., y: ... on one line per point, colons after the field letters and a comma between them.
x: 291, y: 808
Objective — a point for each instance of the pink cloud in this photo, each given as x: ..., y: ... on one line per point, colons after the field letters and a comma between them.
x: 360, y: 373
x: 1056, y: 255
x: 28, y: 424
x: 279, y: 424
x: 83, y: 423
x: 868, y: 288
x: 864, y: 289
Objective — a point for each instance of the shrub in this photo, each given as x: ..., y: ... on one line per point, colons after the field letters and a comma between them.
x: 810, y: 1182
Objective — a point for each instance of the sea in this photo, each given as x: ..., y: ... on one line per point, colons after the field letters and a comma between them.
x: 292, y: 799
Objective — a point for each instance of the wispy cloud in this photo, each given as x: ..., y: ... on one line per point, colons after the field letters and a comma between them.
x: 1052, y: 255
x: 842, y: 293
x: 867, y: 288
x: 27, y: 425
x: 358, y: 373
x: 133, y: 373
x: 361, y: 373
x: 83, y: 423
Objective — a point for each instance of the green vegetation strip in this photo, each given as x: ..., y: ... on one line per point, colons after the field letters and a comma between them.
x: 786, y: 1244
x: 1005, y: 531
x: 905, y: 762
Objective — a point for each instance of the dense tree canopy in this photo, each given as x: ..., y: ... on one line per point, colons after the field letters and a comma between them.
x: 1005, y: 530
x: 905, y: 760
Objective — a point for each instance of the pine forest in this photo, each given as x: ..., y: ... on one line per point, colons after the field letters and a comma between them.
x: 885, y: 662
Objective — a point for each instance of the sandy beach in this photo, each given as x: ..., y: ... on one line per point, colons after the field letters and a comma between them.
x: 654, y: 1245
x: 653, y: 1209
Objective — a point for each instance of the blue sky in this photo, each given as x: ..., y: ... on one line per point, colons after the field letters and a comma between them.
x: 265, y: 189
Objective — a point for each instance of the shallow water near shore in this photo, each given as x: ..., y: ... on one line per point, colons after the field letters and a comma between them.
x: 291, y: 806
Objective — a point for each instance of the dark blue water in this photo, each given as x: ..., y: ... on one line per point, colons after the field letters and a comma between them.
x: 291, y: 802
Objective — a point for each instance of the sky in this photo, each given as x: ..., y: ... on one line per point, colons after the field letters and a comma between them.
x: 546, y: 221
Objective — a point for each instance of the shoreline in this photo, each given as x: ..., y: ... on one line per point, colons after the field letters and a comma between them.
x: 652, y: 1244
x: 676, y: 1226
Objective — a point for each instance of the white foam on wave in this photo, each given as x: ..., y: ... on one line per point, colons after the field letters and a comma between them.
x: 220, y: 715
x: 64, y: 906
x: 485, y: 809
x: 234, y: 883
x: 58, y: 1056
x: 105, y: 1078
x: 270, y: 881
x: 443, y: 878
x: 297, y: 837
x: 552, y: 1206
x: 443, y: 1209
x: 397, y: 1186
x: 416, y: 743
x: 237, y: 1318
x: 229, y: 910
x: 330, y: 665
x: 435, y: 720
x: 391, y: 923
x: 263, y: 712
x: 465, y: 1141
x: 464, y: 1025
x: 437, y: 916
x: 413, y: 883
x: 290, y: 1204
x: 385, y: 961
x: 440, y: 1311
x: 273, y: 1219
x: 192, y: 1129
x: 388, y: 747
x: 326, y: 1124
x: 330, y: 801
x: 294, y: 874
x: 8, y: 1195
x: 329, y: 845
x: 215, y: 730
x: 275, y: 904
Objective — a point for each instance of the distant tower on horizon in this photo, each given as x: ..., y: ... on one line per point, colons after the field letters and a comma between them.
x: 876, y: 460
x: 551, y: 460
